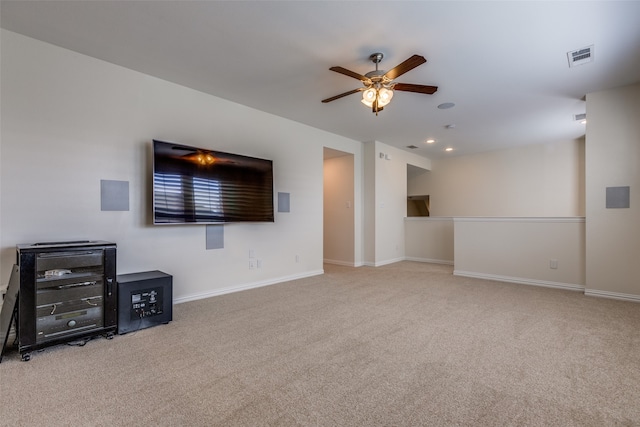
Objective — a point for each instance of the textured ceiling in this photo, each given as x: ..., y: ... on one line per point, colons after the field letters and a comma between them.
x: 504, y: 64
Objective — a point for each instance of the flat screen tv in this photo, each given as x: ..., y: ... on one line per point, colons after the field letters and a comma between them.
x: 198, y: 186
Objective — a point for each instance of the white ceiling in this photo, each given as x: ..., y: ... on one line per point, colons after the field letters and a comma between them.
x: 504, y: 64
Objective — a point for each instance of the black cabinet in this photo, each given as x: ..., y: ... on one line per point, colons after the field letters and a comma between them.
x: 67, y: 293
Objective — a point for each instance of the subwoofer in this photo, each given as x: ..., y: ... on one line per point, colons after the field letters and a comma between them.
x: 144, y: 300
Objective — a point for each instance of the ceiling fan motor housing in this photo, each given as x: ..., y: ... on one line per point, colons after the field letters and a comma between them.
x: 376, y: 76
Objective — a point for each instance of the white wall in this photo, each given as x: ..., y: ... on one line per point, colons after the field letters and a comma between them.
x: 389, y: 204
x: 515, y: 210
x: 339, y: 224
x: 613, y: 160
x: 520, y: 250
x: 369, y: 203
x: 69, y: 121
x: 535, y: 180
x: 429, y: 239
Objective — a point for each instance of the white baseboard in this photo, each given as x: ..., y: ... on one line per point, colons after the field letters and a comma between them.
x: 611, y: 295
x: 520, y: 280
x: 336, y: 262
x: 393, y: 261
x: 430, y: 260
x: 388, y: 261
x: 246, y: 286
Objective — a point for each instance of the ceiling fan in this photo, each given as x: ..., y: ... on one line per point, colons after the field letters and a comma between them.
x: 379, y: 86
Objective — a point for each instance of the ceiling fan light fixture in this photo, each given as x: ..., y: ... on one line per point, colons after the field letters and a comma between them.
x: 368, y: 96
x: 384, y: 96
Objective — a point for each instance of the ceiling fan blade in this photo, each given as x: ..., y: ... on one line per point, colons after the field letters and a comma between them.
x: 407, y: 87
x: 407, y: 65
x: 333, y: 98
x: 351, y: 74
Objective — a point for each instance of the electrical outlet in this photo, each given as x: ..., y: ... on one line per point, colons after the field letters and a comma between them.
x: 252, y: 264
x: 553, y: 264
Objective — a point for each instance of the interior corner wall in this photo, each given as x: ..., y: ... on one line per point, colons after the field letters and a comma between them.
x: 387, y: 204
x: 70, y: 121
x: 545, y: 180
x: 613, y: 160
x: 369, y: 203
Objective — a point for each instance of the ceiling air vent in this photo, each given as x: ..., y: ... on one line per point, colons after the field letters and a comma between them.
x: 580, y: 56
x: 413, y: 147
x: 579, y: 117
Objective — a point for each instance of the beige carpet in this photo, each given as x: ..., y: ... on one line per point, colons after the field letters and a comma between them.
x: 402, y: 345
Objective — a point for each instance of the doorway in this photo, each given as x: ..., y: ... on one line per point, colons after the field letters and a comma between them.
x: 338, y: 208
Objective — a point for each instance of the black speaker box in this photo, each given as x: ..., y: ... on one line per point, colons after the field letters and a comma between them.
x: 144, y: 300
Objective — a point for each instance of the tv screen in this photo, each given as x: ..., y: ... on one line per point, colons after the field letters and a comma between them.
x: 197, y: 186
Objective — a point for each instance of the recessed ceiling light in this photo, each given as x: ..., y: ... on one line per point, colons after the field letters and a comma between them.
x: 448, y: 149
x: 431, y: 141
x: 446, y: 105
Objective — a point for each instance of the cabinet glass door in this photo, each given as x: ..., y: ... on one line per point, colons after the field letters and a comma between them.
x: 69, y: 293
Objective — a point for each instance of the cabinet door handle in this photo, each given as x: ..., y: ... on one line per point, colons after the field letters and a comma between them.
x: 109, y: 286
